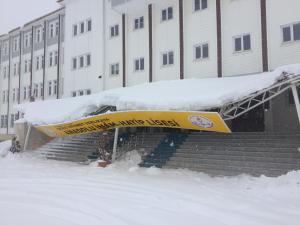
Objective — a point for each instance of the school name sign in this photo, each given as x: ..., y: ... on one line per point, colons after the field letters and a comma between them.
x: 204, y: 121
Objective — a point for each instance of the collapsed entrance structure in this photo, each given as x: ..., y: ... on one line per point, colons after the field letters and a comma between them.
x: 246, y: 103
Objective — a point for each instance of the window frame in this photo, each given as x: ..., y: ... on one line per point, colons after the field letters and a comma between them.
x: 195, y: 51
x: 201, y: 6
x: 139, y: 60
x: 291, y: 27
x: 168, y: 58
x: 242, y: 43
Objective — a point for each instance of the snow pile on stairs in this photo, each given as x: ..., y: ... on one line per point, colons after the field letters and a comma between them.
x: 4, y: 148
x: 189, y: 94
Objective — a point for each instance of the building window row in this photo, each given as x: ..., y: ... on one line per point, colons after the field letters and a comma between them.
x: 4, y: 121
x: 291, y: 32
x: 53, y: 29
x: 81, y: 61
x: 82, y: 27
x: 81, y: 93
x: 53, y: 58
x: 52, y: 87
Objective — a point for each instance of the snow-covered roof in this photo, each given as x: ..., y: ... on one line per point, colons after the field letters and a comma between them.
x: 189, y: 95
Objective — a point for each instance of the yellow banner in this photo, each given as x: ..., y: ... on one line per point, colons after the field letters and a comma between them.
x: 205, y: 121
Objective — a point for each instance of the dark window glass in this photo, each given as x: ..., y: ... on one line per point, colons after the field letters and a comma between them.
x: 74, y: 63
x: 286, y: 34
x: 204, y: 4
x: 205, y: 51
x: 142, y: 22
x: 165, y: 59
x: 117, y: 68
x: 198, y: 52
x: 136, y: 24
x: 197, y: 5
x: 142, y: 65
x: 81, y: 61
x: 88, y: 92
x: 164, y: 15
x: 82, y: 27
x: 238, y: 44
x: 171, y: 58
x: 112, y: 31
x: 89, y: 25
x: 170, y: 13
x: 247, y: 42
x: 296, y: 28
x: 88, y: 60
x: 116, y: 30
x: 137, y: 65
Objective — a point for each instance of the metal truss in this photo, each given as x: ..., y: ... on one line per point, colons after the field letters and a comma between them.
x: 242, y: 106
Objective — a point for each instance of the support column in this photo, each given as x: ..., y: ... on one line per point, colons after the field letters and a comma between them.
x: 264, y: 35
x: 296, y: 99
x: 58, y: 58
x: 181, y: 39
x: 124, y: 48
x: 27, y: 137
x: 150, y: 27
x: 113, y: 159
x: 219, y: 37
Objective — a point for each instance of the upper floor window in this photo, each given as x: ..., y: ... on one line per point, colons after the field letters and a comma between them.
x: 242, y: 43
x: 75, y: 27
x: 50, y: 59
x: 89, y: 25
x: 291, y: 32
x: 51, y: 30
x: 139, y: 23
x: 56, y: 28
x: 167, y: 14
x: 139, y: 64
x: 74, y: 63
x: 38, y: 35
x: 201, y: 51
x: 16, y: 43
x: 27, y: 41
x: 50, y: 88
x: 88, y: 59
x: 82, y: 27
x: 114, y: 30
x: 168, y: 58
x: 200, y: 5
x: 114, y: 69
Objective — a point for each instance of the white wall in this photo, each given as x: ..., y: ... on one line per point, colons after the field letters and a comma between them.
x: 241, y: 17
x: 281, y: 13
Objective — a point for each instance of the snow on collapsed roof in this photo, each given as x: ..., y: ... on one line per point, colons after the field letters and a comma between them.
x: 190, y: 94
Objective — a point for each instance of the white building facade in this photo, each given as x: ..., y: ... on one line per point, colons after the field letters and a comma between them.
x: 107, y: 44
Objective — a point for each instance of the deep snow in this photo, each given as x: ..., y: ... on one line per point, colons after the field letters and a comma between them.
x: 35, y: 191
x: 189, y: 94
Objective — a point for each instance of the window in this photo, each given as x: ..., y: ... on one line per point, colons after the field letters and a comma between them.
x: 25, y: 66
x: 42, y: 61
x: 88, y: 92
x: 2, y: 121
x: 5, y: 121
x: 51, y: 30
x: 167, y: 14
x: 51, y: 59
x: 37, y: 63
x: 114, y: 69
x: 242, y: 43
x: 38, y: 35
x: 200, y: 5
x: 139, y: 64
x: 16, y: 44
x: 41, y: 89
x: 114, y: 31
x: 56, y: 58
x: 201, y: 51
x: 82, y: 27
x: 36, y: 90
x: 291, y: 32
x: 73, y: 94
x: 3, y: 96
x: 56, y: 28
x: 88, y: 60
x: 24, y: 93
x: 80, y: 93
x: 12, y: 120
x: 74, y: 63
x: 89, y: 25
x: 81, y: 61
x: 75, y: 30
x: 139, y: 23
x: 55, y: 87
x: 50, y: 88
x: 4, y: 72
x: 14, y: 95
x: 168, y: 58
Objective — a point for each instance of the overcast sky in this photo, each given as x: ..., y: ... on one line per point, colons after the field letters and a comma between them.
x: 15, y: 13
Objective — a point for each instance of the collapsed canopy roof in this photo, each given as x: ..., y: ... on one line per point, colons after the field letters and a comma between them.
x: 189, y: 95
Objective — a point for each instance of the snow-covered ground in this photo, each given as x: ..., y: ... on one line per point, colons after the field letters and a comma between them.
x: 189, y: 94
x: 35, y: 191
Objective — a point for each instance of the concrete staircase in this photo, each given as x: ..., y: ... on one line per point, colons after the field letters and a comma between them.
x: 73, y: 149
x: 164, y: 150
x: 238, y: 153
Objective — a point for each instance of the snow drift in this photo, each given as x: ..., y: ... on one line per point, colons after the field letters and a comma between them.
x: 189, y: 94
x: 4, y: 148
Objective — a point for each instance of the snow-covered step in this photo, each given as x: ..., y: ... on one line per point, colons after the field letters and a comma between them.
x: 73, y: 149
x: 271, y: 155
